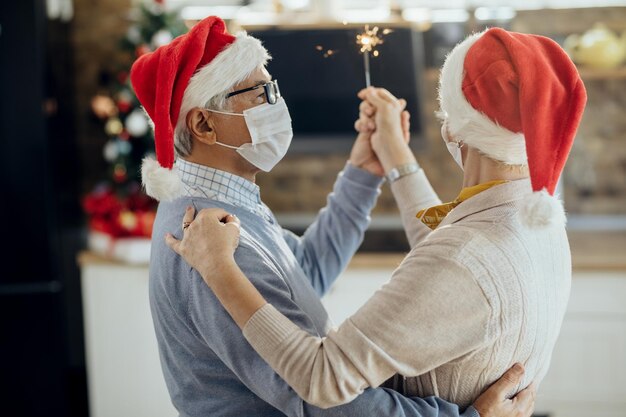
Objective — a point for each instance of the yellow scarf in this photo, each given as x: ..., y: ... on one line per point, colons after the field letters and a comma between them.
x: 431, y: 217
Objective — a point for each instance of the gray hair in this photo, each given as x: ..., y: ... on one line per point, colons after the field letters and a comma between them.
x: 183, y: 139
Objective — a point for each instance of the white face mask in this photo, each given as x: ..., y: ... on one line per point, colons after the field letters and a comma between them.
x: 453, y: 147
x: 271, y: 133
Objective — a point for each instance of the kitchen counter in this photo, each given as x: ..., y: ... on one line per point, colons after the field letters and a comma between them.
x: 591, y: 251
x: 598, y: 250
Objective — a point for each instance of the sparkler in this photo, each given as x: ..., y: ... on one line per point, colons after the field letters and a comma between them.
x: 368, y: 41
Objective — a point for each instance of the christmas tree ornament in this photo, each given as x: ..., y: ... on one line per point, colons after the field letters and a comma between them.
x: 111, y: 151
x: 162, y: 37
x: 124, y: 100
x: 113, y: 126
x: 119, y: 173
x: 124, y: 147
x: 125, y: 95
x: 128, y: 220
x: 124, y: 136
x: 134, y: 34
x: 103, y: 107
x: 136, y: 123
x: 124, y: 106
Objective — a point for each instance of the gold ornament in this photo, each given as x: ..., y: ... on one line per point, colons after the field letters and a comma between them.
x: 113, y: 126
x: 103, y: 107
x: 128, y: 220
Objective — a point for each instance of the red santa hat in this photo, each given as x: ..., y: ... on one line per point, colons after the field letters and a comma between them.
x: 188, y: 73
x: 517, y: 99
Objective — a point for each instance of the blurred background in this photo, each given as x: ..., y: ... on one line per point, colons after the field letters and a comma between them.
x: 76, y: 337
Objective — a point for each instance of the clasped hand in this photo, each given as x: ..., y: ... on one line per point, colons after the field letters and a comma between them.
x: 384, y: 132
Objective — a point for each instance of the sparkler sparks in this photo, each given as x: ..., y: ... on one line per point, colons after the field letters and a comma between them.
x: 326, y: 53
x: 368, y: 41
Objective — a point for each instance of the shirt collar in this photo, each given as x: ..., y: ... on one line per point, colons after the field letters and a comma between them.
x: 215, y: 183
x: 495, y: 196
x: 433, y: 216
x: 469, y: 192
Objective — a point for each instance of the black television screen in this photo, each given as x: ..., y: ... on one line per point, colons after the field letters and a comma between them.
x: 320, y: 87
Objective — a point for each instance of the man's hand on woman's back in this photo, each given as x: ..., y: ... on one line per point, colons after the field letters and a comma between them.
x: 494, y: 402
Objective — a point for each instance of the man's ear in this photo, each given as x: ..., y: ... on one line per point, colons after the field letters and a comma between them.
x: 201, y: 124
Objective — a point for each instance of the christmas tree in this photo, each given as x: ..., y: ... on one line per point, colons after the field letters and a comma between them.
x: 118, y: 207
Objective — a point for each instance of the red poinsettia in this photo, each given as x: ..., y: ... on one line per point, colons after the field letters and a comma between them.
x: 101, y: 203
x: 129, y: 216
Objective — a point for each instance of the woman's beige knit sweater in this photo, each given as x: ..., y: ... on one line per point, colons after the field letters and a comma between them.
x: 474, y: 296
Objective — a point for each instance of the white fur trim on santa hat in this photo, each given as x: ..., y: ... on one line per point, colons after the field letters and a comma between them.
x: 541, y: 210
x: 230, y: 67
x: 160, y: 183
x: 468, y: 124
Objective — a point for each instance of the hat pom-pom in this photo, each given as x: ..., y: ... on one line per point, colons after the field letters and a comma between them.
x: 160, y: 183
x: 542, y: 210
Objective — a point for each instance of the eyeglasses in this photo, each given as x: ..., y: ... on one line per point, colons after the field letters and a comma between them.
x: 272, y: 92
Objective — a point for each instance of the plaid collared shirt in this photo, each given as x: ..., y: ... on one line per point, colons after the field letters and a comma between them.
x: 211, y: 183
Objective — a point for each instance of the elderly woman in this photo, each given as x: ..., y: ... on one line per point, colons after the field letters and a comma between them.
x: 487, y: 279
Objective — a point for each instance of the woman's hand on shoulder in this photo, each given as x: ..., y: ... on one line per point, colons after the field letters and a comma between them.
x: 209, y: 241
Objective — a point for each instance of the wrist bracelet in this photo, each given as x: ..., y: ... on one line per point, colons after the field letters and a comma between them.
x: 403, y: 170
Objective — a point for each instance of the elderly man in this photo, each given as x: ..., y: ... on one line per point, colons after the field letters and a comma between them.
x: 215, y: 106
